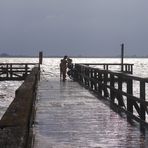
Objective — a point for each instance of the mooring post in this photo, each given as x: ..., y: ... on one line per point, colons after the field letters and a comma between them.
x: 40, y: 57
x: 122, y: 56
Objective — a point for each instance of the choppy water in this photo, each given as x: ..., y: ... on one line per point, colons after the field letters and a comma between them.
x: 7, y: 88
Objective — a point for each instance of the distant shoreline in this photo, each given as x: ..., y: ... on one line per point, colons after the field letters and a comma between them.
x: 27, y: 56
x: 69, y: 56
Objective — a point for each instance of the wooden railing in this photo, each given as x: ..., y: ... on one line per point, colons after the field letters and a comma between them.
x: 120, y: 88
x: 127, y: 68
x: 15, y: 71
x: 16, y: 123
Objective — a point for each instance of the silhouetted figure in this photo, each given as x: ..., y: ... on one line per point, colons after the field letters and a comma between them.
x: 61, y: 72
x: 63, y: 68
x: 70, y: 68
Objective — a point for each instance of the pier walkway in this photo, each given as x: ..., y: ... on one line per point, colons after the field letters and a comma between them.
x: 69, y: 116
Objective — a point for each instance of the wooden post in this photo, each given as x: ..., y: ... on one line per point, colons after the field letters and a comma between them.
x: 104, y: 67
x: 106, y: 94
x: 112, y: 85
x: 100, y: 83
x: 119, y: 96
x: 122, y: 56
x: 131, y: 69
x: 26, y: 70
x: 107, y: 67
x: 7, y: 71
x: 92, y: 77
x: 142, y: 97
x: 11, y: 71
x: 40, y: 57
x: 129, y: 91
x: 81, y: 74
x: 95, y: 77
x: 87, y: 77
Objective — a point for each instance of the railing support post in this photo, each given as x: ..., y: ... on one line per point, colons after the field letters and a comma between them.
x: 129, y: 100
x: 112, y: 84
x: 100, y: 83
x: 96, y: 83
x: 92, y: 77
x: 106, y: 94
x: 11, y: 71
x: 7, y: 71
x: 142, y: 97
x: 26, y: 70
x: 120, y: 97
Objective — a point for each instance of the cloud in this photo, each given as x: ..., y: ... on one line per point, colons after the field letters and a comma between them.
x: 82, y: 26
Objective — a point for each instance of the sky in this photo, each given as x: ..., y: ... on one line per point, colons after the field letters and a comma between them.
x: 74, y: 27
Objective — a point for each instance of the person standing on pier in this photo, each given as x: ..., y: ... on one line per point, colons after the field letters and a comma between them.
x: 63, y: 68
x: 70, y: 68
x: 61, y: 73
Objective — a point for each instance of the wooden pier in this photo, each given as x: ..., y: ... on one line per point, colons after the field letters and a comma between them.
x: 70, y: 116
x: 15, y: 71
x: 67, y: 115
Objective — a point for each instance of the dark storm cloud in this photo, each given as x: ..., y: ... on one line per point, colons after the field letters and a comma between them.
x: 76, y: 27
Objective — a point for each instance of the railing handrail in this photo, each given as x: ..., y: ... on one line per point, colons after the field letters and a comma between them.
x: 18, y: 63
x: 109, y: 84
x: 123, y: 75
x: 15, y: 71
x: 104, y: 64
x: 126, y: 67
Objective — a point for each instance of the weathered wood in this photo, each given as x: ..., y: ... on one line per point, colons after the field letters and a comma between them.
x: 16, y: 122
x: 112, y: 85
x: 125, y: 67
x: 119, y: 96
x: 15, y: 71
x: 130, y: 101
x: 69, y: 116
x: 106, y: 93
x: 92, y: 76
x: 122, y: 56
x: 142, y: 96
x: 40, y: 57
x: 96, y: 84
x: 100, y: 81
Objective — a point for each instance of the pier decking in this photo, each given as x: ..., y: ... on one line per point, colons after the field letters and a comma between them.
x: 69, y: 116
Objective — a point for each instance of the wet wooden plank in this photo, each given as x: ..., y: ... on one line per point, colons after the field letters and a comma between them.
x: 69, y: 116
